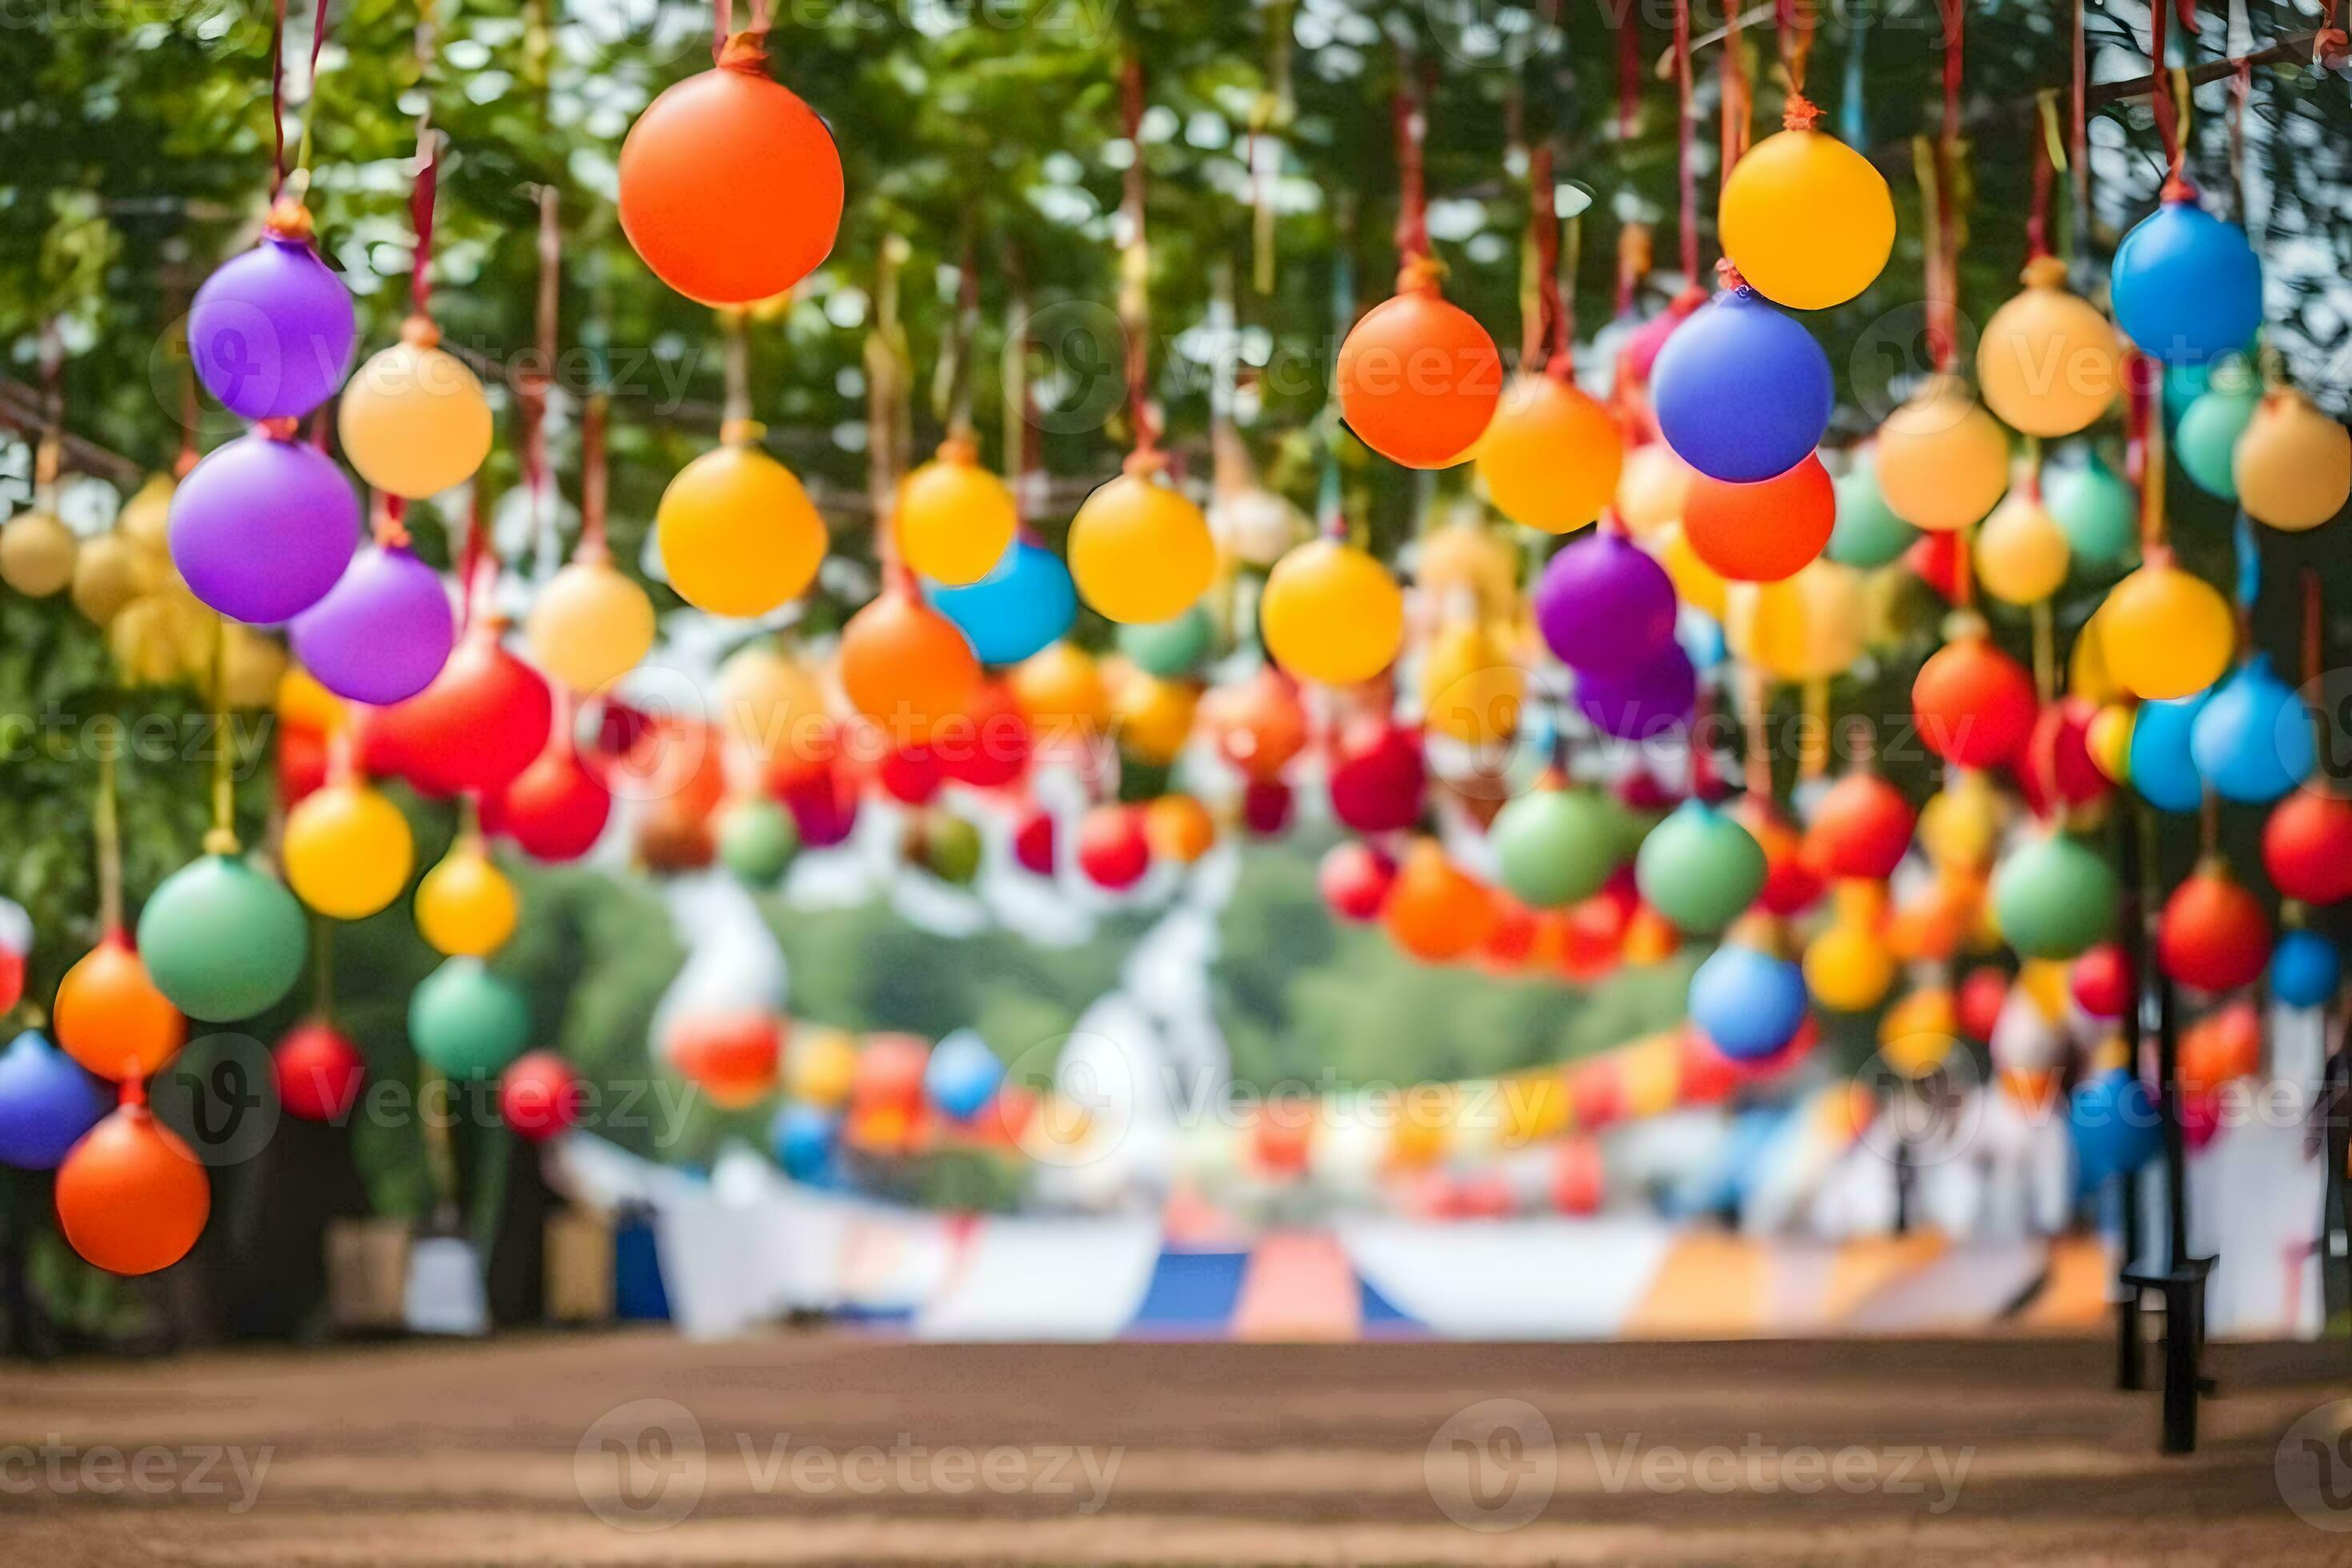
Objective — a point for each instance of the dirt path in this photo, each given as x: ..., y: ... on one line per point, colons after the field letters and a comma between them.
x: 637, y: 1447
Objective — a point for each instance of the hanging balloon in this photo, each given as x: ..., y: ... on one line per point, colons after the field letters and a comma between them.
x: 2022, y: 554
x: 1849, y: 968
x: 111, y: 1017
x: 2307, y: 847
x: 1974, y: 705
x: 2101, y: 980
x: 1153, y: 717
x: 382, y: 633
x: 112, y: 572
x: 1025, y: 602
x: 2305, y: 971
x: 1803, y: 628
x: 2213, y: 935
x: 1258, y: 726
x: 2095, y: 507
x: 1471, y: 688
x: 2115, y: 1127
x: 270, y: 331
x: 37, y: 554
x: 1742, y: 393
x: 317, y: 1072
x: 555, y: 809
x: 2252, y: 739
x: 483, y: 721
x: 730, y: 186
x: 47, y: 1104
x: 263, y: 527
x: 1552, y: 455
x: 1139, y: 551
x: 466, y: 1022
x: 2294, y: 465
x: 1867, y: 532
x: 2161, y: 759
x: 413, y: 421
x: 1861, y: 829
x: 1169, y: 648
x: 1959, y: 824
x: 1655, y: 700
x: 1555, y: 847
x: 1748, y: 1003
x: 733, y: 1056
x: 1354, y: 879
x: 738, y: 535
x: 1808, y: 220
x: 2186, y: 285
x: 2166, y: 633
x: 802, y: 1138
x: 1177, y: 828
x: 2055, y: 897
x: 990, y: 746
x: 1114, y: 851
x: 1603, y: 606
x: 1699, y: 869
x: 1435, y: 911
x: 2206, y: 440
x: 1033, y: 835
x: 1418, y: 380
x: 466, y: 906
x: 2056, y: 770
x: 1651, y: 488
x: 1060, y: 690
x: 954, y: 519
x: 757, y: 840
x: 1252, y: 525
x: 1378, y: 775
x: 222, y: 940
x: 1764, y: 531
x: 347, y: 850
x: 590, y: 625
x: 1942, y: 462
x: 130, y: 1198
x: 962, y: 1075
x: 1696, y: 583
x: 1792, y: 885
x: 539, y: 1096
x: 1331, y: 614
x: 2049, y: 362
x: 1468, y: 560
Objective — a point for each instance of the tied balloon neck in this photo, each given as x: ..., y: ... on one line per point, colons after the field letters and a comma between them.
x: 746, y: 51
x: 961, y: 447
x: 1728, y: 274
x: 742, y: 433
x: 390, y: 525
x: 2178, y: 187
x: 288, y: 219
x: 2044, y: 272
x: 222, y: 840
x: 283, y: 427
x: 418, y: 331
x: 1145, y: 463
x: 1802, y: 113
x: 1420, y: 274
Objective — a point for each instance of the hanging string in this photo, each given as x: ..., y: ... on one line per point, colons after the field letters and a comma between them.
x: 2079, y: 143
x: 2315, y: 655
x: 1852, y: 120
x: 594, y: 479
x: 1546, y: 328
x: 1330, y: 496
x: 2168, y: 99
x: 1135, y: 276
x: 747, y: 50
x: 1264, y: 152
x: 532, y: 387
x: 2146, y: 377
x: 388, y: 522
x: 222, y: 839
x: 301, y: 175
x: 1940, y: 171
x: 1793, y: 27
x: 2047, y: 158
x: 322, y: 968
x: 1416, y: 268
x: 1629, y: 74
x: 1686, y: 163
x: 106, y: 829
x: 2241, y: 88
x: 277, y: 98
x: 1732, y: 75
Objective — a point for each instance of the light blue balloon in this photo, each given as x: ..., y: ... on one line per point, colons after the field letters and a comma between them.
x: 2095, y: 510
x: 962, y: 1075
x: 2251, y: 740
x: 2114, y: 1126
x: 2163, y: 767
x: 1024, y: 602
x: 803, y: 1137
x: 2187, y: 285
x: 1748, y: 1003
x: 2305, y: 969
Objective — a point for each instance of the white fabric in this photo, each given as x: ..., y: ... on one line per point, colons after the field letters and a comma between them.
x: 1046, y: 1280
x: 1535, y: 1279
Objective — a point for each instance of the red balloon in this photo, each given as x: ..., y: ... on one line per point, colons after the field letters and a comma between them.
x: 482, y: 722
x: 2101, y: 980
x: 1033, y: 841
x: 1578, y: 1176
x: 824, y: 804
x: 1266, y: 807
x: 1791, y: 883
x: 889, y: 1075
x: 318, y: 1072
x: 1512, y: 937
x: 301, y: 764
x: 130, y: 1198
x: 1354, y: 881
x: 911, y: 774
x: 2213, y: 935
x: 2056, y: 768
x: 1378, y: 777
x: 540, y: 1095
x: 1977, y: 1004
x: 1934, y: 560
x: 2307, y: 847
x: 1974, y: 704
x: 1765, y: 531
x: 555, y: 809
x: 1862, y: 829
x: 733, y: 1057
x: 1283, y: 1133
x: 988, y: 746
x: 1113, y: 849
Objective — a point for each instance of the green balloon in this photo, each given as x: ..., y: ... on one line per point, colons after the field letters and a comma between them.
x: 1169, y: 648
x: 1867, y: 533
x: 467, y: 1021
x: 2097, y: 510
x: 1555, y: 846
x: 2207, y: 441
x: 951, y: 848
x: 2054, y: 897
x: 1699, y: 869
x: 757, y: 840
x: 222, y: 940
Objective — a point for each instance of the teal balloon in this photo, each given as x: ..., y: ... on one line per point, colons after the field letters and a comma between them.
x: 2161, y: 759
x: 2055, y: 897
x: 1555, y: 847
x: 1867, y: 533
x: 1169, y: 648
x: 2094, y: 507
x: 1699, y: 869
x: 467, y: 1021
x: 757, y: 840
x: 2184, y: 384
x: 222, y: 940
x: 2253, y: 741
x: 2207, y: 441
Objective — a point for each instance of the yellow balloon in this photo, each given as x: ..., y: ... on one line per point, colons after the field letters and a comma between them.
x: 146, y: 518
x: 955, y: 519
x: 464, y: 906
x: 1331, y: 613
x: 2022, y: 553
x: 1061, y: 691
x: 1551, y: 455
x: 1808, y: 220
x: 37, y: 554
x: 2166, y: 632
x: 1154, y: 717
x: 820, y: 1065
x: 2048, y: 982
x: 1960, y: 823
x: 1652, y: 486
x: 2294, y: 464
x: 149, y: 638
x: 347, y: 850
x: 591, y: 624
x: 1848, y: 968
x: 2087, y: 676
x: 738, y: 535
x: 1139, y: 551
x: 2050, y: 363
x: 1463, y: 558
x: 1805, y: 627
x: 304, y: 704
x: 1918, y: 1032
x: 1470, y: 687
x: 113, y: 571
x: 1942, y: 463
x: 1696, y: 583
x: 769, y: 703
x: 413, y: 420
x: 2108, y: 740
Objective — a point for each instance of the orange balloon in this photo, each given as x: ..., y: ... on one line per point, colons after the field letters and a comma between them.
x: 1258, y: 726
x: 1765, y: 531
x: 733, y: 1058
x: 130, y: 1198
x: 2225, y: 1045
x: 906, y: 666
x: 730, y: 185
x: 111, y: 1018
x: 1062, y: 693
x: 1418, y: 379
x: 1435, y: 911
x: 1177, y: 828
x: 1550, y: 459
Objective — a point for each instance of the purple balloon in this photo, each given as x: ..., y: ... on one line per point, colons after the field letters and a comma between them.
x: 47, y: 1104
x: 263, y: 527
x: 1604, y: 607
x: 382, y: 633
x: 1742, y: 392
x: 1653, y: 701
x: 271, y: 331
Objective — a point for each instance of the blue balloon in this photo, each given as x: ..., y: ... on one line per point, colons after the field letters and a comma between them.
x: 2187, y: 285
x: 2163, y: 767
x: 47, y: 1104
x: 1742, y: 392
x: 1024, y: 602
x: 2114, y: 1126
x: 2251, y: 740
x: 1747, y: 1002
x: 962, y: 1075
x: 2305, y: 969
x: 803, y: 1137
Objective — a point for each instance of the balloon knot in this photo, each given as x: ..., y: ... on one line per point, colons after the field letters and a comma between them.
x: 288, y: 219
x: 221, y: 841
x: 1419, y: 275
x: 741, y: 433
x: 746, y: 51
x: 1728, y: 274
x: 958, y: 448
x: 2178, y: 188
x: 133, y: 1093
x: 2044, y: 272
x: 1144, y: 462
x: 1799, y: 114
x: 285, y: 427
x: 418, y: 331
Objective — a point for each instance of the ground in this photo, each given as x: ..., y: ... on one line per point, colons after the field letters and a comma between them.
x: 829, y: 1448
